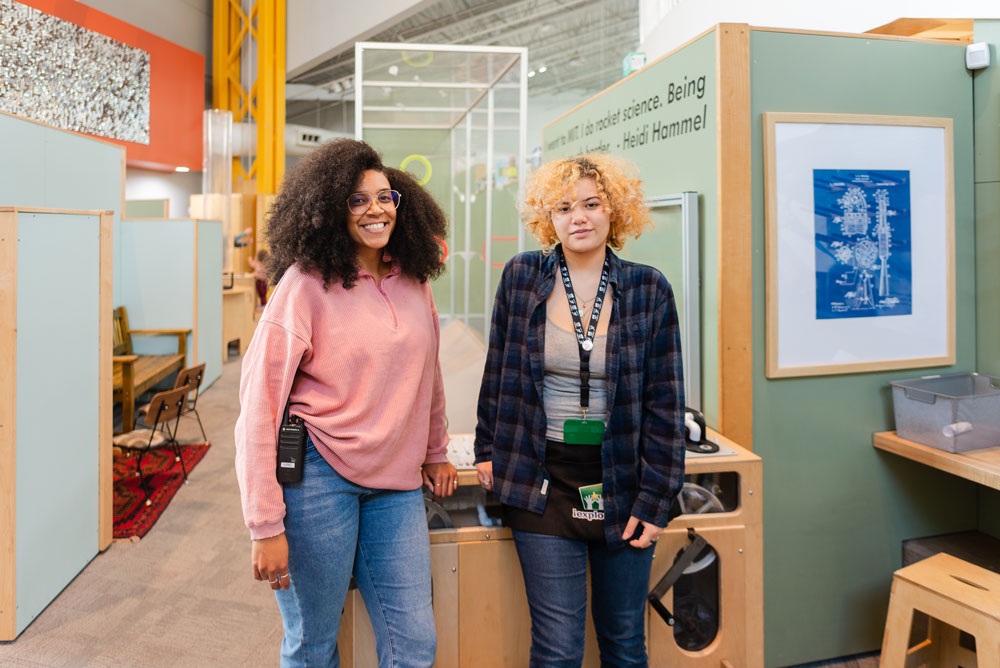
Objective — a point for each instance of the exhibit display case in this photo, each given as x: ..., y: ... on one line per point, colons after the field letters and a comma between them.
x: 454, y: 117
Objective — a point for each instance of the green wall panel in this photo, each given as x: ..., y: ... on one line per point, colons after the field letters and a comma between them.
x: 986, y: 84
x: 672, y: 140
x: 987, y: 105
x: 147, y: 208
x: 836, y: 509
x: 988, y: 276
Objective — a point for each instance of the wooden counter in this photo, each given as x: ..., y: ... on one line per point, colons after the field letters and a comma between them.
x: 980, y: 466
x: 237, y: 317
x: 481, y: 612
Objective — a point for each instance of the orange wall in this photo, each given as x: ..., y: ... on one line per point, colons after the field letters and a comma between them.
x: 176, y: 88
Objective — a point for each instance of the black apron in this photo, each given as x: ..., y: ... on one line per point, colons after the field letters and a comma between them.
x: 573, y: 510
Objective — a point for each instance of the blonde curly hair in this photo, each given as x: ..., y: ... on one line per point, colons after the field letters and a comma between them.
x: 619, y: 186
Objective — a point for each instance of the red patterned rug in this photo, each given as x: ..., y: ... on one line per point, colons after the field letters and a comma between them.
x: 133, y: 518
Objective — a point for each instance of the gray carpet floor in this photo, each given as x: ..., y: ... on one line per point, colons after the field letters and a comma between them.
x: 182, y: 596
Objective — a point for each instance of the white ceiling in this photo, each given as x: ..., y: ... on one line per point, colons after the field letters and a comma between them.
x: 579, y: 43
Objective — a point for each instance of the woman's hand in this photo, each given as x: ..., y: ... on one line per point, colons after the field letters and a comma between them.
x: 484, y: 471
x: 269, y: 558
x: 650, y: 532
x: 441, y: 478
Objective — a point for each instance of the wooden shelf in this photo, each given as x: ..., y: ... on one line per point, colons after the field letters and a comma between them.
x: 980, y: 466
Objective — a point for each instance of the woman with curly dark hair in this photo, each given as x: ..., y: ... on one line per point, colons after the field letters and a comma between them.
x: 347, y: 345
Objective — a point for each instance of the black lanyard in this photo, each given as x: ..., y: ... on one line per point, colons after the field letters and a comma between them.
x: 585, y: 341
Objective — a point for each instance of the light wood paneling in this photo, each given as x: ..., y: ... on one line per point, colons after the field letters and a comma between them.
x: 237, y: 317
x: 8, y: 403
x: 980, y: 466
x: 954, y: 30
x: 491, y: 600
x: 105, y: 427
x: 356, y: 637
x: 195, y: 284
x: 855, y: 35
x: 735, y: 316
x: 444, y: 578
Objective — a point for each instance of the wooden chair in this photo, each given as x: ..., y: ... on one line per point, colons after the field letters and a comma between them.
x: 192, y: 376
x: 957, y: 596
x: 134, y: 374
x: 165, y: 406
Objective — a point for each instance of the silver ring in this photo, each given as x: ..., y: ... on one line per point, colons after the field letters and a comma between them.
x: 454, y: 482
x: 275, y: 581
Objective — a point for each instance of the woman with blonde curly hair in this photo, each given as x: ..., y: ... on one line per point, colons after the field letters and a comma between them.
x: 581, y: 412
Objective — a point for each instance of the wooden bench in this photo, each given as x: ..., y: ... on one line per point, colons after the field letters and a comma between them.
x: 134, y: 374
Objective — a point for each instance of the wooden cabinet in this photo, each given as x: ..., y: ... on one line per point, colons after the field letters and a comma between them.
x: 481, y: 612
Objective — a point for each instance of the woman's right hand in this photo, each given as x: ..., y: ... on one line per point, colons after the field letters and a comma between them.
x: 269, y: 558
x: 484, y: 471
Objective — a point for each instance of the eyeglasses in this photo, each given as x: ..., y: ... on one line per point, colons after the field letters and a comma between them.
x: 359, y: 203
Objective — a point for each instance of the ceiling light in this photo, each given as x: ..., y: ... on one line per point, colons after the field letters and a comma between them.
x: 182, y: 169
x: 531, y: 74
x: 393, y: 70
x: 542, y: 69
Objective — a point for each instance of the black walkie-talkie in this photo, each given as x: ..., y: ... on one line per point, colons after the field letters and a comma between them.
x: 291, y: 448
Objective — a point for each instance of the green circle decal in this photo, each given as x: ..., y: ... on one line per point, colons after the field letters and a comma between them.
x: 419, y: 63
x: 416, y: 157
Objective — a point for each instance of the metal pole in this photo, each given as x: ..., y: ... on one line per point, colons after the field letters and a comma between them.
x: 522, y: 157
x: 488, y: 259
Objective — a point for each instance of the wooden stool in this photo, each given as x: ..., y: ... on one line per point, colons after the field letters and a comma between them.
x: 957, y: 596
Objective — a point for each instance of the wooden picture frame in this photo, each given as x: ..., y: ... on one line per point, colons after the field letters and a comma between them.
x: 860, y: 224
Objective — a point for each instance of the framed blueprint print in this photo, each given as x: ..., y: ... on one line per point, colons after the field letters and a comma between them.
x: 860, y: 243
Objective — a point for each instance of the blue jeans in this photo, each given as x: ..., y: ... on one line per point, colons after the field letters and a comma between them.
x: 334, y: 528
x: 555, y: 577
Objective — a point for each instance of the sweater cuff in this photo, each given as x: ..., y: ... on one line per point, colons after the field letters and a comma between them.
x: 652, y: 508
x: 436, y: 458
x: 267, y: 530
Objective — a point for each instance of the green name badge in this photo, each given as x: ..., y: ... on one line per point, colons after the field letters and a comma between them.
x: 583, y: 432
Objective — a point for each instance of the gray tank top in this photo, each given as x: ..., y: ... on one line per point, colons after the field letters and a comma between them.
x: 561, y: 387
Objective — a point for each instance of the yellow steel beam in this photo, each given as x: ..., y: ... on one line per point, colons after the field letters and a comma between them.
x: 262, y: 100
x: 270, y: 94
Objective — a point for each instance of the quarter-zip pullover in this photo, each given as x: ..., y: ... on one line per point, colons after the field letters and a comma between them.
x: 360, y: 367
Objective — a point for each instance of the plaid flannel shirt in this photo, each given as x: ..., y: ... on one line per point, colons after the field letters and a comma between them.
x: 643, y: 449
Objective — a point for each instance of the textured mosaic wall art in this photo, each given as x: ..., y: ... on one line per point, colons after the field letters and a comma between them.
x: 60, y: 73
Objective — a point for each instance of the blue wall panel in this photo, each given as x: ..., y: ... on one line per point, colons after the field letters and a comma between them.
x: 58, y: 304
x: 210, y: 298
x: 57, y: 169
x: 156, y: 270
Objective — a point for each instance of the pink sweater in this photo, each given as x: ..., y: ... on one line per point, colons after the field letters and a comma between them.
x: 368, y: 386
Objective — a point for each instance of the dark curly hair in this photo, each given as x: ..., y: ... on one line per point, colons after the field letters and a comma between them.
x: 308, y: 220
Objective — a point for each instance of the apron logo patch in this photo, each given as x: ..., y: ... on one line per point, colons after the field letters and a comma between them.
x: 592, y: 498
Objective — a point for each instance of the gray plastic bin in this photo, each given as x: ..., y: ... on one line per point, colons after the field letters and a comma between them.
x: 956, y: 412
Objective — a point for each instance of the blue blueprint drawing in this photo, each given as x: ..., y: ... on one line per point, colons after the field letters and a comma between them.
x: 863, y: 243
